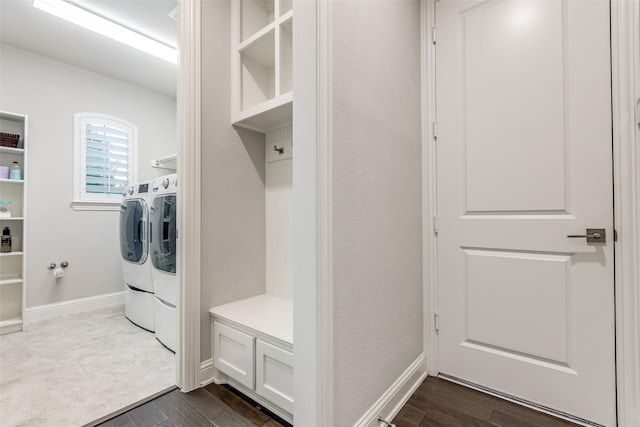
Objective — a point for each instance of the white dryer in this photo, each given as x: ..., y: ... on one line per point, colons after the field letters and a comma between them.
x: 163, y: 251
x: 134, y: 248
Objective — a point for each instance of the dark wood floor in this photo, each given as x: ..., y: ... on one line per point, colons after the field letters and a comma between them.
x: 440, y: 403
x: 436, y: 403
x: 213, y: 405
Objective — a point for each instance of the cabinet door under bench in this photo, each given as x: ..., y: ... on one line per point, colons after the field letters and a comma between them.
x: 274, y: 374
x: 233, y: 353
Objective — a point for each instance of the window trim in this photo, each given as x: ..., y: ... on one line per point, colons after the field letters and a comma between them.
x: 83, y: 201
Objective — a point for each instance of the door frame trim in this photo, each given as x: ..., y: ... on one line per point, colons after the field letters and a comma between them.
x: 429, y: 246
x: 189, y: 202
x: 625, y: 90
x: 625, y: 59
x: 312, y: 223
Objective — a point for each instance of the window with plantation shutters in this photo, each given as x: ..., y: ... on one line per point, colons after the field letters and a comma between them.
x: 105, y: 163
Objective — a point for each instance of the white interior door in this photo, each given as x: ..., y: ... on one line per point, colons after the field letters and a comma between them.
x: 524, y: 160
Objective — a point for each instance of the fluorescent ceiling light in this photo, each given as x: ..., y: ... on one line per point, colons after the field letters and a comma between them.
x: 88, y: 20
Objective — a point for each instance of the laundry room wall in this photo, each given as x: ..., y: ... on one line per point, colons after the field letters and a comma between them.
x: 377, y: 200
x: 50, y: 92
x: 233, y: 179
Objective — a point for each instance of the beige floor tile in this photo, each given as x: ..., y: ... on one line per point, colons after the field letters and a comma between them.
x: 74, y: 369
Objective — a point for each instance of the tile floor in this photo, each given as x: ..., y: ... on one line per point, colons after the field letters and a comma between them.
x: 74, y: 369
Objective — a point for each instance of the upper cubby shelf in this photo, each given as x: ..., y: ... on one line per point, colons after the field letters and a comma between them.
x: 286, y: 6
x: 255, y: 15
x: 258, y: 71
x: 262, y: 32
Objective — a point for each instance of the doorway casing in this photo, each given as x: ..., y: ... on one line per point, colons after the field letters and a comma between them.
x: 189, y: 206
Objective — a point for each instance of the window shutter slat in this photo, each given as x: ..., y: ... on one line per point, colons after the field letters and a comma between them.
x: 108, y: 129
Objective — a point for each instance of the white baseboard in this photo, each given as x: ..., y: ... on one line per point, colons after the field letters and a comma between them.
x: 48, y: 311
x: 206, y: 372
x: 387, y: 406
x: 396, y: 396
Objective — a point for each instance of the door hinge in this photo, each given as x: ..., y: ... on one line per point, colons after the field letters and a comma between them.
x: 433, y: 34
x: 615, y: 235
x: 435, y: 130
x: 436, y: 322
x: 435, y: 224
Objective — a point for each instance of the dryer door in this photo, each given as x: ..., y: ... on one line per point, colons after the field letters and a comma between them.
x: 133, y: 230
x: 163, y: 232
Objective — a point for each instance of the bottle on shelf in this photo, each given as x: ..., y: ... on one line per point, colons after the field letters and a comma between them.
x: 5, y: 245
x: 16, y: 172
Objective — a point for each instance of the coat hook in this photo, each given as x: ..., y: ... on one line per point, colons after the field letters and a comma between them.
x: 279, y: 150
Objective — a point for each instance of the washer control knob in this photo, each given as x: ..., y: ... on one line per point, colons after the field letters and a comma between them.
x: 131, y: 190
x: 165, y: 182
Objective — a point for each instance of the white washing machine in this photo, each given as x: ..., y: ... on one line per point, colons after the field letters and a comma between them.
x: 163, y: 258
x: 134, y: 248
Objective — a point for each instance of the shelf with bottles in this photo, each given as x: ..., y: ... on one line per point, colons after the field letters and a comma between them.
x: 11, y: 170
x: 262, y: 69
x: 11, y: 200
x: 12, y: 159
x: 11, y: 235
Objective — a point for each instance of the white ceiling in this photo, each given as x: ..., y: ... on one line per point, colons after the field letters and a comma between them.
x: 25, y: 27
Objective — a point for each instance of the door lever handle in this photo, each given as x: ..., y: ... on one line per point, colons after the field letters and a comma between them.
x: 593, y: 235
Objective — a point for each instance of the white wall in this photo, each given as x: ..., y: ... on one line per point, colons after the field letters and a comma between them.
x: 377, y: 222
x: 50, y: 92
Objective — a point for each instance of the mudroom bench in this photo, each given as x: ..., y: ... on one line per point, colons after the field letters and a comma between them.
x: 252, y: 348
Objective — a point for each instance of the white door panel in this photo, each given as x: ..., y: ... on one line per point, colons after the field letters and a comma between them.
x: 498, y: 52
x: 529, y: 287
x: 524, y: 159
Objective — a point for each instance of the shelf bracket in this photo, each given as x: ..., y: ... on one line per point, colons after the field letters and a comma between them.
x: 165, y: 162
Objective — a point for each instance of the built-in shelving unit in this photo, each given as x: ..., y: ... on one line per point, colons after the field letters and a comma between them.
x: 12, y: 264
x: 252, y: 339
x: 262, y: 32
